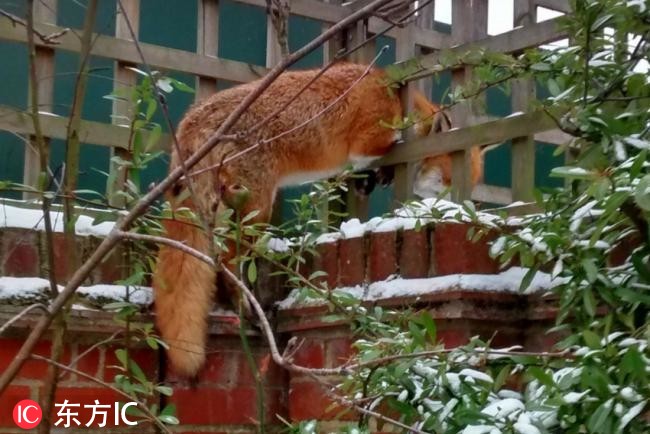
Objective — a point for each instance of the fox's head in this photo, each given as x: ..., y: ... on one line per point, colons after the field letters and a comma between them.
x: 434, y: 175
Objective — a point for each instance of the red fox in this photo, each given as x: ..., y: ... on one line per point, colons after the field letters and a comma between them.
x: 349, y: 133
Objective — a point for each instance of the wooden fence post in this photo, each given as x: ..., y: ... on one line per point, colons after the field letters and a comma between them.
x: 44, y: 12
x: 207, y: 43
x: 405, y: 172
x: 124, y: 77
x: 523, y: 92
x: 469, y: 23
x: 358, y: 205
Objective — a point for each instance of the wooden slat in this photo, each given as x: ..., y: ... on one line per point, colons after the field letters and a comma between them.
x: 427, y: 38
x: 207, y: 43
x: 318, y: 10
x: 475, y: 135
x: 96, y: 133
x: 44, y: 11
x: 523, y: 93
x: 556, y: 5
x: 124, y: 77
x: 157, y: 56
x: 513, y: 41
x: 405, y: 172
x: 358, y: 205
x: 469, y: 23
x: 492, y: 194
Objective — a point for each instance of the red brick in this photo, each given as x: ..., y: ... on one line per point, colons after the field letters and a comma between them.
x: 9, y: 398
x: 454, y: 253
x: 352, y: 270
x: 311, y: 354
x: 88, y: 364
x: 219, y: 368
x: 203, y: 405
x: 327, y: 260
x: 32, y: 369
x: 19, y: 253
x: 414, y: 257
x: 112, y: 268
x: 454, y: 337
x: 271, y: 374
x: 382, y: 260
x: 87, y: 396
x: 62, y: 246
x: 146, y: 359
x: 308, y: 400
x: 339, y: 351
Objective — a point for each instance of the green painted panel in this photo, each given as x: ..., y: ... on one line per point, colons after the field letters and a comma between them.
x: 242, y: 32
x: 13, y: 75
x: 302, y: 31
x: 100, y: 84
x: 441, y: 87
x: 498, y: 102
x: 544, y: 162
x: 16, y: 7
x: 14, y: 93
x: 389, y: 55
x: 12, y: 159
x: 170, y: 23
x: 71, y: 13
x: 92, y: 159
x: 498, y: 166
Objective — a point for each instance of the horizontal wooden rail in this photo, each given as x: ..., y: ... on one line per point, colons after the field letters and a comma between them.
x: 329, y: 13
x: 427, y: 38
x: 53, y: 126
x: 513, y: 41
x: 556, y: 5
x: 481, y: 134
x: 157, y: 56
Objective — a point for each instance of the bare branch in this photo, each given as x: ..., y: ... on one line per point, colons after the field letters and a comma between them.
x: 21, y: 314
x: 50, y: 39
x: 141, y: 405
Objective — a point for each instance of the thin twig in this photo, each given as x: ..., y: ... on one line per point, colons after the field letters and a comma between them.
x: 50, y: 39
x: 141, y: 405
x: 21, y: 314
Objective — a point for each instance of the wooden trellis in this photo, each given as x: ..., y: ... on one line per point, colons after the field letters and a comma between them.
x: 420, y: 39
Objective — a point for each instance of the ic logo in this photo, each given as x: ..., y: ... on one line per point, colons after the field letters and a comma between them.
x: 27, y: 414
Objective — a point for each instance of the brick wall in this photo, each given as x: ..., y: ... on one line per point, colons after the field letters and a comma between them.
x: 223, y: 397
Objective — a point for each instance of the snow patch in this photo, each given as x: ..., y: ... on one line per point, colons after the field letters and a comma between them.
x: 15, y: 217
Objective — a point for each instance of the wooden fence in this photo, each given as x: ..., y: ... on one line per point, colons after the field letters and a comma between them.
x: 419, y: 39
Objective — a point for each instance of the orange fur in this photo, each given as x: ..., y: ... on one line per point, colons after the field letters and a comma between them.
x: 350, y: 132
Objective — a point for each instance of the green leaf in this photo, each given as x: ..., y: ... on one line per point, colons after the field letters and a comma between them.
x: 528, y: 278
x: 252, y: 271
x: 591, y: 339
x: 427, y: 321
x: 122, y: 356
x: 542, y: 376
x: 599, y: 417
x: 589, y: 301
x: 165, y: 390
x: 642, y: 193
x: 169, y: 420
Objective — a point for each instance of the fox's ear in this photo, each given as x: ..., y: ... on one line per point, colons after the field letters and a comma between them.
x: 429, y: 116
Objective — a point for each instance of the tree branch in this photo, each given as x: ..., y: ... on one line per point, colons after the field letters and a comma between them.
x: 50, y: 39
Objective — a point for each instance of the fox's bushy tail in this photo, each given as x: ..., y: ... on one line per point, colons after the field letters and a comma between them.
x: 184, y: 292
